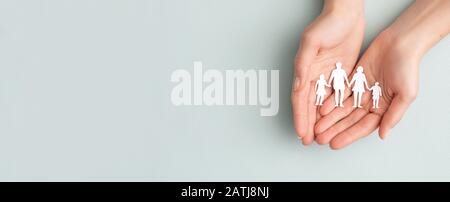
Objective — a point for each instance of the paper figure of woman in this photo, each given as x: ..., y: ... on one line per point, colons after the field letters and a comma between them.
x: 359, y: 79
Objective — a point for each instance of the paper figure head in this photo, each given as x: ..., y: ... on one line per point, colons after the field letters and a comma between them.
x: 360, y: 69
x: 338, y: 65
x: 322, y: 77
x: 376, y: 83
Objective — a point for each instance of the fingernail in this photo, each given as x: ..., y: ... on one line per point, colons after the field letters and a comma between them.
x: 385, y: 135
x: 296, y: 83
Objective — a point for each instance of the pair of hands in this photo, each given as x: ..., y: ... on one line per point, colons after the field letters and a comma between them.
x: 337, y: 35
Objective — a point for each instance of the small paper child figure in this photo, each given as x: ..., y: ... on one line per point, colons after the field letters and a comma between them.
x: 358, y: 89
x: 320, y: 89
x: 376, y: 94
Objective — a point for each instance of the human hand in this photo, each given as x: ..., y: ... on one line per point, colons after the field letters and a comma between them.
x: 387, y: 62
x: 335, y: 35
x: 392, y: 59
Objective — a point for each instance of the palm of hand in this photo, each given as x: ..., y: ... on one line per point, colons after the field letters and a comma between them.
x: 386, y: 63
x: 327, y: 40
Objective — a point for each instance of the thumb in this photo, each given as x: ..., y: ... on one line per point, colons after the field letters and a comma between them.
x: 394, y: 113
x: 309, y: 48
x: 301, y: 86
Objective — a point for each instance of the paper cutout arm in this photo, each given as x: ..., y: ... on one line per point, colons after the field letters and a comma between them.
x: 346, y: 79
x: 315, y: 86
x: 351, y: 82
x: 331, y: 78
x: 365, y: 82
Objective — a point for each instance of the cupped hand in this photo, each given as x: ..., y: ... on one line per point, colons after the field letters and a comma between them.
x: 335, y: 35
x: 389, y: 61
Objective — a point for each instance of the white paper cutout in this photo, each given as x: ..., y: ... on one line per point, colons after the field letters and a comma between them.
x: 338, y: 76
x: 359, y: 83
x: 376, y: 94
x: 320, y: 89
x: 359, y: 78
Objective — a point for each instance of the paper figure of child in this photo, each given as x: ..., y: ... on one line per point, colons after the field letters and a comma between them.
x: 320, y: 89
x: 358, y: 89
x: 376, y: 94
x: 339, y: 76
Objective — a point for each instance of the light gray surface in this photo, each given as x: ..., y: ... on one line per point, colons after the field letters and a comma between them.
x: 85, y: 95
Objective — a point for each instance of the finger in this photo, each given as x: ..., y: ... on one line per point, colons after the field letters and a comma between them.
x: 394, y: 113
x: 312, y: 110
x: 363, y: 128
x: 329, y: 103
x: 308, y: 50
x: 338, y: 114
x: 307, y: 140
x: 318, y: 116
x: 333, y: 117
x: 300, y: 110
x: 301, y: 86
x: 347, y: 122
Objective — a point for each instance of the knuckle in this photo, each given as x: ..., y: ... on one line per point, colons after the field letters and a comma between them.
x: 410, y: 95
x: 309, y: 37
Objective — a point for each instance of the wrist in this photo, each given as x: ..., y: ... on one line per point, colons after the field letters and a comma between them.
x: 405, y: 45
x: 350, y: 8
x: 421, y: 26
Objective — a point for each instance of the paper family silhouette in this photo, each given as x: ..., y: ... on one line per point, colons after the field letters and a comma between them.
x: 339, y: 79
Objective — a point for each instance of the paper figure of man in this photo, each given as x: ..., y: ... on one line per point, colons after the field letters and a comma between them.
x: 338, y: 77
x: 376, y: 94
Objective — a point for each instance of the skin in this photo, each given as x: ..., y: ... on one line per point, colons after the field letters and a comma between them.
x: 335, y: 35
x: 392, y: 59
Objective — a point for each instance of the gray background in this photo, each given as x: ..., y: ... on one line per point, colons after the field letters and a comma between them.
x: 85, y: 95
